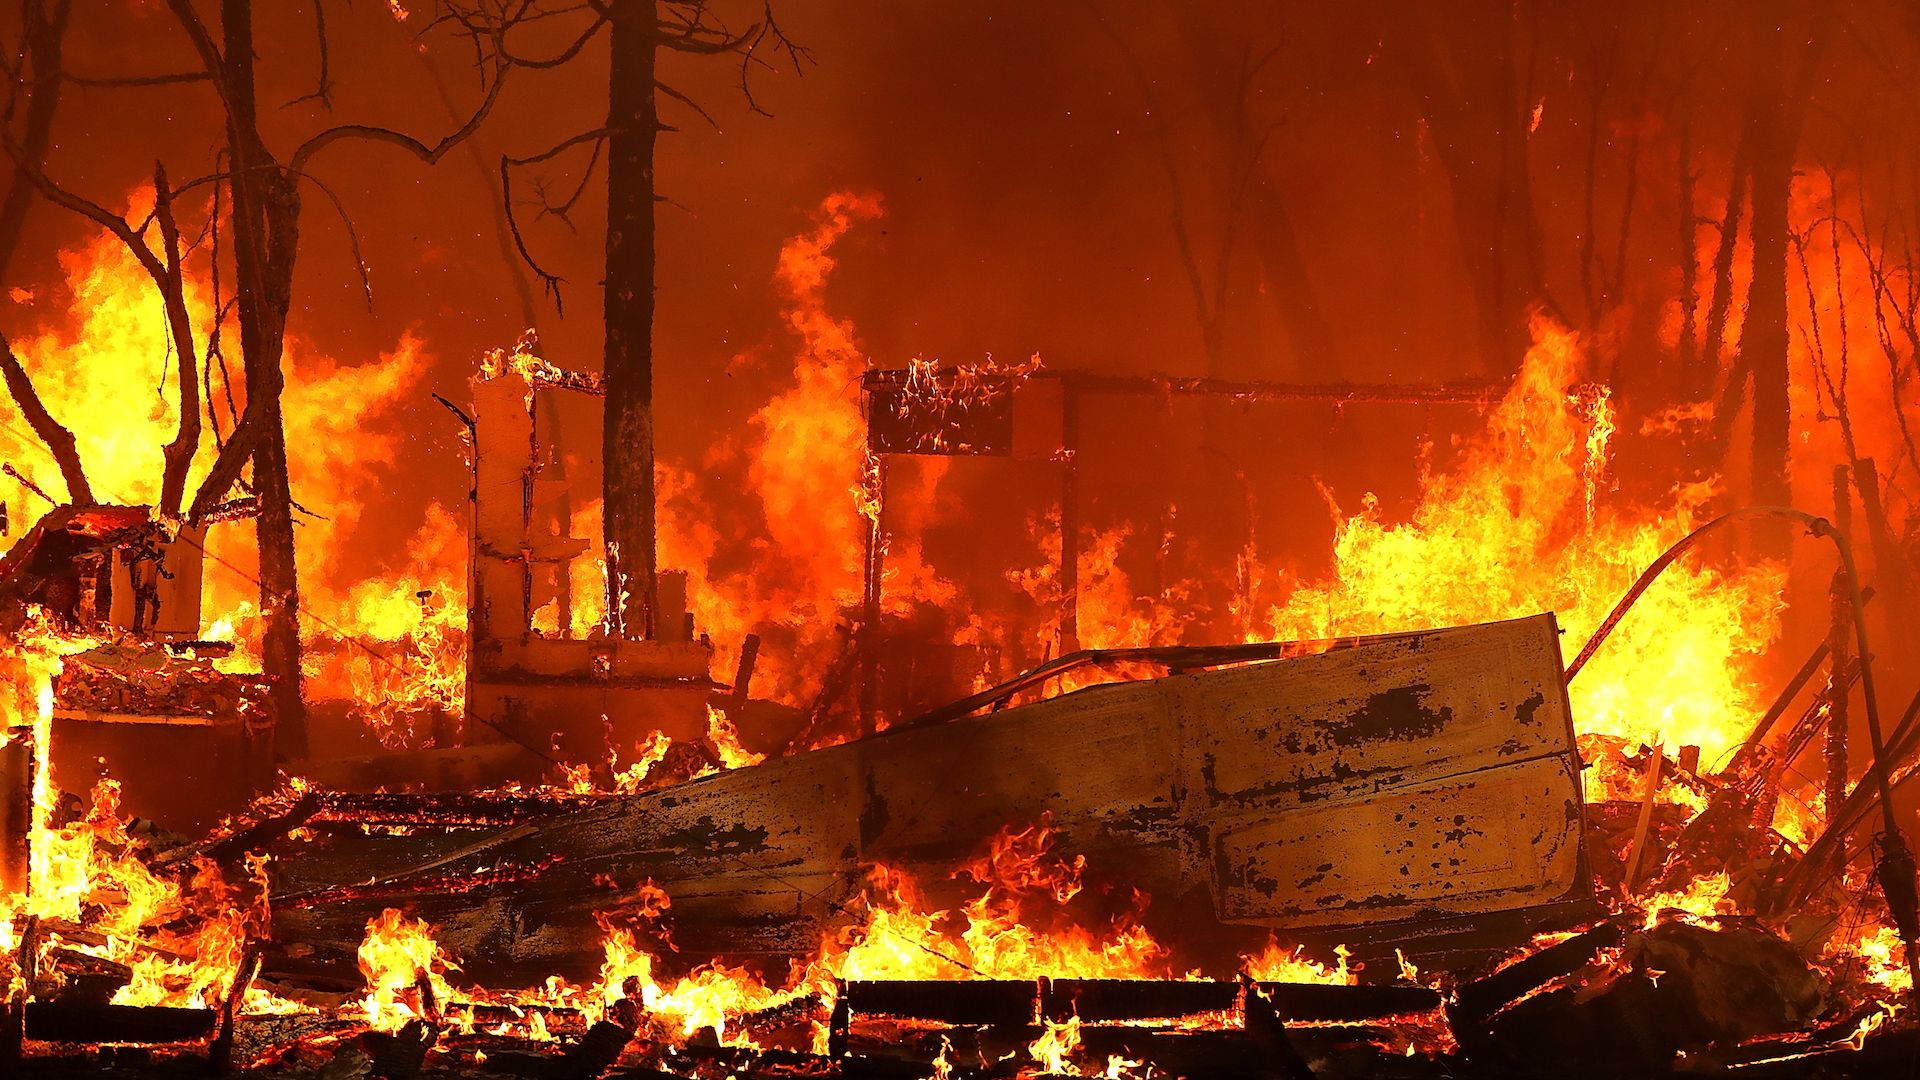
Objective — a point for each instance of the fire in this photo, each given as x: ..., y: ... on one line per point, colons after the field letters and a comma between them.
x: 1704, y: 898
x: 998, y: 934
x: 726, y: 741
x: 1056, y: 1045
x: 809, y: 492
x: 1514, y: 531
x: 633, y: 778
x: 403, y: 966
x: 1019, y: 860
x: 1876, y: 951
x: 897, y: 937
x: 707, y: 998
x: 182, y: 940
x: 391, y: 639
x: 1279, y: 964
x: 105, y: 375
x: 1521, y: 525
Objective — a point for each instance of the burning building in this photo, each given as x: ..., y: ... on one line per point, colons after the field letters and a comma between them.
x: 1433, y: 599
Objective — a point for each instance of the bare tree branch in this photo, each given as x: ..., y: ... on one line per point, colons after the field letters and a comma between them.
x: 353, y: 235
x: 203, y: 43
x: 428, y: 154
x: 45, y: 30
x: 572, y: 50
x: 323, y: 92
x: 549, y: 282
x: 58, y: 439
x: 564, y: 209
x: 178, y: 454
x: 170, y: 78
x: 688, y: 102
x: 771, y: 38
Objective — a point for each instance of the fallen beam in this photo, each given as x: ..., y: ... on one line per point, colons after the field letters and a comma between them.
x: 1476, y: 1002
x: 1376, y: 792
x: 91, y: 1022
x: 983, y: 1002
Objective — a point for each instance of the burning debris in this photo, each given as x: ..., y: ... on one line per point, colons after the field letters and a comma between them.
x: 1405, y: 852
x: 947, y: 719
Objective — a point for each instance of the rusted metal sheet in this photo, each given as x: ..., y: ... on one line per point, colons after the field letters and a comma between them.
x: 1427, y: 776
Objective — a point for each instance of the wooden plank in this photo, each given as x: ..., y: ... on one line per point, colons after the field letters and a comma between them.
x: 1422, y: 776
x: 1651, y: 795
x: 1491, y: 840
x: 958, y: 1001
x: 1401, y: 711
x: 89, y: 1022
x: 16, y: 808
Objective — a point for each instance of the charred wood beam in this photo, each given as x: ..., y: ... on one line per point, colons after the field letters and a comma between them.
x: 1472, y: 392
x: 1476, y: 1002
x: 592, y: 1055
x: 984, y: 1002
x: 220, y: 1053
x: 743, y: 674
x: 238, y: 842
x: 1823, y: 855
x: 1009, y: 1003
x: 1328, y: 1003
x: 1816, y: 718
x: 86, y: 977
x: 1266, y: 1026
x: 91, y: 1022
x: 1781, y: 703
x: 1638, y: 851
x: 16, y: 809
x: 399, y: 1055
x: 1106, y: 1000
x: 447, y: 810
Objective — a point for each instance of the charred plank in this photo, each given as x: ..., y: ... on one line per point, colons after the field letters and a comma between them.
x: 91, y: 1022
x: 991, y: 1002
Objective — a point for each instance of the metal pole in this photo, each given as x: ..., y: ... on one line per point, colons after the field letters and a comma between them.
x: 1069, y: 520
x: 869, y: 636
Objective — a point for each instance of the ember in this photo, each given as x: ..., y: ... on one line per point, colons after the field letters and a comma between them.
x: 1285, y: 543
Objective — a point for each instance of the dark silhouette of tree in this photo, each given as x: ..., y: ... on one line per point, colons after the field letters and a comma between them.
x: 260, y: 191
x: 636, y: 32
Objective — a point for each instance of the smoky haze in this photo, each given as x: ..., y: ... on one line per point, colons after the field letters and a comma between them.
x: 1287, y: 192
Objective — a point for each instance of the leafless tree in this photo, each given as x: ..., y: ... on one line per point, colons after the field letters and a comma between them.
x: 1473, y: 80
x: 1781, y: 81
x: 260, y: 190
x: 33, y: 93
x: 636, y: 32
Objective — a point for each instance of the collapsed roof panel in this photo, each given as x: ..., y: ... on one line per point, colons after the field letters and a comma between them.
x: 1427, y: 776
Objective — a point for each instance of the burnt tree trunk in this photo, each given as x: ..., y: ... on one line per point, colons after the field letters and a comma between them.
x: 266, y: 229
x: 1777, y: 107
x: 45, y: 35
x: 1472, y: 81
x: 1278, y: 246
x: 179, y: 453
x: 1763, y: 338
x: 45, y: 30
x: 627, y: 453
